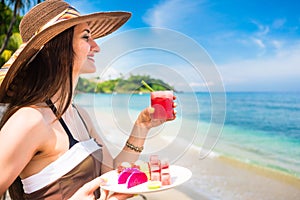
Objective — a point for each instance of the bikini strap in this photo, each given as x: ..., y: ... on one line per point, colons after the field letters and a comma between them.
x: 80, y: 116
x: 72, y: 140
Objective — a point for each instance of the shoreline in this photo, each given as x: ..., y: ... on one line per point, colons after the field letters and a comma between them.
x: 168, y: 138
x: 218, y: 177
x: 214, y: 177
x: 230, y: 142
x: 265, y: 171
x: 259, y: 168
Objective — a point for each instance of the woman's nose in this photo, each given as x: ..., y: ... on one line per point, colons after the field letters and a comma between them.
x: 94, y: 46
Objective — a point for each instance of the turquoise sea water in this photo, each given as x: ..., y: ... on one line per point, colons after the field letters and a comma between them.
x: 259, y: 128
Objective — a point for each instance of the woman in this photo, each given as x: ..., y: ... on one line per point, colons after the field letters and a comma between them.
x: 49, y: 148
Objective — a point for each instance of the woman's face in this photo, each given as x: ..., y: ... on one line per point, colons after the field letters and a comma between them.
x: 84, y: 48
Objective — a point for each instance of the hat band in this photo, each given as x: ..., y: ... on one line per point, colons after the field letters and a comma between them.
x: 69, y: 13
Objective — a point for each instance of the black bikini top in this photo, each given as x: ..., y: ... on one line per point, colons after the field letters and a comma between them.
x: 72, y: 140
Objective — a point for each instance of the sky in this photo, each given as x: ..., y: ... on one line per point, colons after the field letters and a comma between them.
x: 201, y: 45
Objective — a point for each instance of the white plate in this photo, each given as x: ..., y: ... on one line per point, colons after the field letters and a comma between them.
x: 178, y: 174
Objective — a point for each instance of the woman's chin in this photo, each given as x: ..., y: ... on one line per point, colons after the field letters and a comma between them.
x: 88, y: 69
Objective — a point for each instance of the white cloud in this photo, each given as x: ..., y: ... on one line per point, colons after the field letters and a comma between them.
x: 171, y: 13
x: 273, y: 69
x: 262, y: 29
x: 259, y: 42
x: 111, y: 73
x: 277, y: 44
x: 278, y: 23
x: 277, y: 69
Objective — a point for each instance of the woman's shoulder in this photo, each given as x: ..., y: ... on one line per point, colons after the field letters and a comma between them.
x: 33, y: 115
x: 26, y: 129
x: 27, y: 119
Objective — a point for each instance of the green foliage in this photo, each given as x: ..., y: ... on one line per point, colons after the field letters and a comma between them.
x: 5, y: 56
x: 5, y: 18
x: 85, y: 85
x: 14, y: 42
x: 121, y: 85
x: 15, y: 39
x: 106, y: 86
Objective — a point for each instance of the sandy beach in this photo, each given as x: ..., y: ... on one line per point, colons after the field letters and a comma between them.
x: 223, y: 178
x: 214, y: 177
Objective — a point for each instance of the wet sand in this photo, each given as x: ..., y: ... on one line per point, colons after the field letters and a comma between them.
x: 224, y: 178
x: 214, y: 177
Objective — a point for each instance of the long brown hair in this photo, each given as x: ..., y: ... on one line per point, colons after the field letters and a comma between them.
x: 49, y: 73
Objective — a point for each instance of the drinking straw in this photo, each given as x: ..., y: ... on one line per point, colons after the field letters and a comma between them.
x: 147, y: 86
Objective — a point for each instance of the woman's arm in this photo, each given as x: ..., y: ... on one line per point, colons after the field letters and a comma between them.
x: 20, y: 139
x: 86, y: 192
x: 137, y: 138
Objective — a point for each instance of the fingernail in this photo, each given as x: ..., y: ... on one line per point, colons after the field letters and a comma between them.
x: 103, y: 181
x: 151, y: 110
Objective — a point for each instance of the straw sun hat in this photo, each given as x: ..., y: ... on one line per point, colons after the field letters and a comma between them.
x: 51, y: 17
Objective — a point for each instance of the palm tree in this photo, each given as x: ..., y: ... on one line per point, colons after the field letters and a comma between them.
x: 17, y: 5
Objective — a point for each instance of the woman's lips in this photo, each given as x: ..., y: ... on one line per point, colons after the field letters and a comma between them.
x: 91, y: 58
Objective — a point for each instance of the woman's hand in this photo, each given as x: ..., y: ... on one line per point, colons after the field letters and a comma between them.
x: 115, y: 196
x: 145, y: 119
x: 136, y: 140
x: 86, y: 192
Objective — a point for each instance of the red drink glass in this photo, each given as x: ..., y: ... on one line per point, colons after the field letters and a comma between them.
x: 162, y: 102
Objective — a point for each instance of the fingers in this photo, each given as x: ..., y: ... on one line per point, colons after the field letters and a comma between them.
x: 94, y: 184
x: 174, y: 105
x: 121, y: 196
x: 87, y: 190
x: 151, y: 110
x: 103, y: 181
x: 104, y: 194
x: 174, y: 116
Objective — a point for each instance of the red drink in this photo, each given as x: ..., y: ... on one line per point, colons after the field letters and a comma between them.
x: 162, y: 102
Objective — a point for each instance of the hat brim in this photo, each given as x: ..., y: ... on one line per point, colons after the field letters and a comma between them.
x: 101, y: 24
